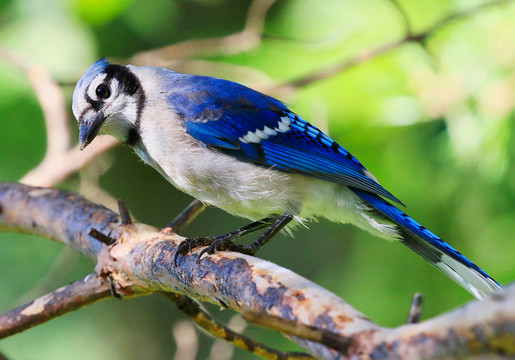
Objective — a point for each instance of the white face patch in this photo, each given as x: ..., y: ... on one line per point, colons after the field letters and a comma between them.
x: 120, y: 110
x: 114, y: 86
x: 94, y: 84
x: 258, y: 135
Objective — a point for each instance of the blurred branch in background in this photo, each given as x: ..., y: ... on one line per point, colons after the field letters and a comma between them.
x: 203, y: 319
x: 252, y: 34
x: 140, y: 262
x: 60, y: 161
x: 245, y: 40
x: 415, y: 309
x: 368, y: 55
x: 61, y: 301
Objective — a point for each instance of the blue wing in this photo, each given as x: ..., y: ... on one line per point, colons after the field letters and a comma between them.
x: 256, y: 128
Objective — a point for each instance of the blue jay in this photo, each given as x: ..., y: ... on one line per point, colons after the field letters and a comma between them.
x: 248, y: 154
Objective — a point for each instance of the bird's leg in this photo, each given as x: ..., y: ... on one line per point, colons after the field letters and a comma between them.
x: 277, y: 226
x: 222, y: 244
x: 191, y: 243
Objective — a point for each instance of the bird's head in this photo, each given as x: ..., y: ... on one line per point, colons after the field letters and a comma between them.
x: 107, y: 99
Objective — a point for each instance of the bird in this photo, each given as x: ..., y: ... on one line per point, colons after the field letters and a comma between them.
x: 247, y: 153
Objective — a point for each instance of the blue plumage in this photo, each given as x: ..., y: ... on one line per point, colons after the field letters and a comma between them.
x: 246, y: 124
x: 247, y: 153
x: 256, y: 128
x: 423, y: 241
x: 94, y: 70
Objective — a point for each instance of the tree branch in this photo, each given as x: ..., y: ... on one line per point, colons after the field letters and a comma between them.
x: 415, y: 309
x: 186, y: 216
x: 200, y: 317
x: 54, y: 169
x: 245, y: 40
x: 60, y: 161
x: 141, y: 262
x: 334, y: 69
x: 63, y: 300
x: 404, y: 16
x: 50, y: 98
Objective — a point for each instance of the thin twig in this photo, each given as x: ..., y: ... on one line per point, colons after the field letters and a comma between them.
x: 245, y: 40
x: 186, y: 216
x: 334, y: 69
x: 124, y: 212
x: 293, y: 328
x: 72, y: 297
x: 203, y: 319
x: 185, y: 336
x: 256, y: 16
x: 141, y: 263
x: 404, y: 17
x: 415, y: 309
x: 104, y: 239
x: 456, y: 16
x: 51, y: 100
x: 55, y: 170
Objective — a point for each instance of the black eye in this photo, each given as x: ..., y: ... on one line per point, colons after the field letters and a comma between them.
x: 103, y: 91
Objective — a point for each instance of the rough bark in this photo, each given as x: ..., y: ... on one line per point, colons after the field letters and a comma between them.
x: 140, y: 261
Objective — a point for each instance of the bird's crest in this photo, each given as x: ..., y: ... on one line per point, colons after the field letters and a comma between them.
x: 92, y: 72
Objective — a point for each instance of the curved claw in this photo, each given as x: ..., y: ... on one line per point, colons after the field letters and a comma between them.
x: 214, y: 244
x: 225, y: 241
x: 180, y: 251
x: 202, y: 252
x: 218, y: 244
x: 187, y: 245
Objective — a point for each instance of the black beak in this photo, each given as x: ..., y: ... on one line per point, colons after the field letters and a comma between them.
x: 88, y: 130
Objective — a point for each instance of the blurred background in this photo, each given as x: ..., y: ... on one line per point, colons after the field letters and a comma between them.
x: 431, y: 116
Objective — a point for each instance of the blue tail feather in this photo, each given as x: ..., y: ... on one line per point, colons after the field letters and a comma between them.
x: 433, y: 249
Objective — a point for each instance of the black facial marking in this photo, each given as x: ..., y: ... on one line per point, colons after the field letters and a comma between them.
x: 95, y: 104
x: 133, y: 136
x: 129, y: 83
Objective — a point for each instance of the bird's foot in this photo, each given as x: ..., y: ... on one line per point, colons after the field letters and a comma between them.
x: 214, y: 244
x: 223, y: 244
x: 190, y: 243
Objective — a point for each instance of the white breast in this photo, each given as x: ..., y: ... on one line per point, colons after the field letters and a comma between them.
x: 238, y: 187
x: 217, y: 179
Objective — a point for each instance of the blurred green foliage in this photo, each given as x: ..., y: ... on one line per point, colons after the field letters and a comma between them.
x: 433, y: 121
